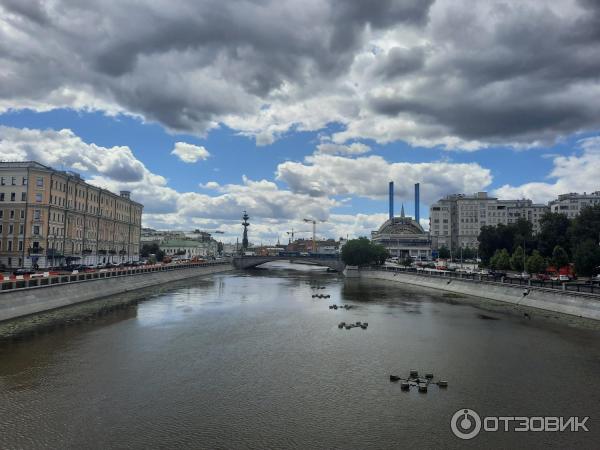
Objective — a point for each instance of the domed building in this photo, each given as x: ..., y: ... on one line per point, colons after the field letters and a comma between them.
x: 403, y: 237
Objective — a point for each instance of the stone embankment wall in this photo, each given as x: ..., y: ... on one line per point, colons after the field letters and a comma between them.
x: 572, y: 303
x: 31, y: 300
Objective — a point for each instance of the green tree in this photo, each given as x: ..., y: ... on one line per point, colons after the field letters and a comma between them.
x: 517, y: 259
x: 361, y: 251
x: 500, y: 260
x: 444, y: 253
x: 380, y: 254
x: 152, y: 248
x: 586, y: 226
x: 523, y: 233
x: 465, y: 253
x: 407, y: 262
x: 493, y: 238
x: 587, y: 258
x: 553, y: 231
x: 559, y: 257
x: 535, y: 263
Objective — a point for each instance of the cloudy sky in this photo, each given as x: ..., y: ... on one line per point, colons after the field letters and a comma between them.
x: 292, y: 109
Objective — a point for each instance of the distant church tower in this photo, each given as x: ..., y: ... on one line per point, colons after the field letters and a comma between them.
x: 245, y: 224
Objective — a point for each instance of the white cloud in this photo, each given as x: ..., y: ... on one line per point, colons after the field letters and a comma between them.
x: 574, y: 173
x: 189, y: 153
x: 356, y: 148
x: 64, y: 149
x: 458, y: 74
x: 213, y: 185
x: 327, y: 175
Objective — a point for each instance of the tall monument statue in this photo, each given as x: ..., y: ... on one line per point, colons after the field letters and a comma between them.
x: 245, y: 224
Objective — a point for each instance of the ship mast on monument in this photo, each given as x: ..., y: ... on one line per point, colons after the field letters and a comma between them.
x: 245, y: 224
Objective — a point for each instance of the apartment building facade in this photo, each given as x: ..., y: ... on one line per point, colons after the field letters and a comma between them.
x: 456, y: 220
x: 571, y: 204
x: 50, y: 218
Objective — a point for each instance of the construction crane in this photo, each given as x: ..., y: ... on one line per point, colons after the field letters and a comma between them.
x: 314, y: 232
x: 291, y: 233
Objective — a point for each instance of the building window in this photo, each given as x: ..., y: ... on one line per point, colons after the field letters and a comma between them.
x: 36, y: 230
x: 36, y: 214
x: 13, y: 196
x: 21, y: 229
x: 24, y: 181
x: 2, y: 197
x: 12, y: 214
x: 13, y: 181
x: 20, y: 246
x: 23, y: 196
x: 39, y: 182
x: 10, y: 246
x: 22, y: 214
x: 38, y: 197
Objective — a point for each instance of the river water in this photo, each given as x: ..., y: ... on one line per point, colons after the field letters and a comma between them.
x: 251, y: 360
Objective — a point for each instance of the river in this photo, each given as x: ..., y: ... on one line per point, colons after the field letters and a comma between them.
x: 252, y: 360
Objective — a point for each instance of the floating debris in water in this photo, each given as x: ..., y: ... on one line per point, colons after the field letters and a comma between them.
x: 415, y: 381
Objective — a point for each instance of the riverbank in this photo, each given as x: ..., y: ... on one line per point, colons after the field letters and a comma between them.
x: 33, y: 310
x: 554, y: 301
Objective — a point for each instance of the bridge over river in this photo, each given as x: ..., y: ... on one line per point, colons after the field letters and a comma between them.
x: 331, y: 261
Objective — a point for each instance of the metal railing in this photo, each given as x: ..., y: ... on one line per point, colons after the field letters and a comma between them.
x: 39, y: 280
x: 570, y: 287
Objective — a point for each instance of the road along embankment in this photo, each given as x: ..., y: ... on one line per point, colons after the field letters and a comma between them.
x: 67, y: 290
x: 564, y: 302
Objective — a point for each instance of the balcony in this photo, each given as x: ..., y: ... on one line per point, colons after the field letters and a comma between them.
x: 35, y: 250
x: 54, y: 253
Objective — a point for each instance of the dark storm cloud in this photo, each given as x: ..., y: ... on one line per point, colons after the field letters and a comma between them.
x: 530, y: 76
x: 502, y: 72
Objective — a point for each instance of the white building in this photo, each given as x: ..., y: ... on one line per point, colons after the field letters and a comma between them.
x: 189, y: 248
x: 456, y: 220
x: 403, y: 237
x: 572, y: 204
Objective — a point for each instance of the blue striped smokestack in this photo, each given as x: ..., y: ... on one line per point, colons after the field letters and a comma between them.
x: 391, y: 196
x: 417, y: 200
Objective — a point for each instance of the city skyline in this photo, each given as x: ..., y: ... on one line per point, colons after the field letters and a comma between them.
x: 315, y: 126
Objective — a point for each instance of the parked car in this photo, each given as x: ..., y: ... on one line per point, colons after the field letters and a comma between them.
x: 564, y: 278
x: 542, y: 276
x: 23, y: 271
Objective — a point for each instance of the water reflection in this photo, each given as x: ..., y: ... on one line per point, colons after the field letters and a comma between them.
x: 252, y: 360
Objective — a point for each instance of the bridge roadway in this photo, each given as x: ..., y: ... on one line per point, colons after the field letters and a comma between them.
x: 246, y: 262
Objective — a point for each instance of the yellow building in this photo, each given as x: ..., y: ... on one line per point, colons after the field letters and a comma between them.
x: 50, y: 218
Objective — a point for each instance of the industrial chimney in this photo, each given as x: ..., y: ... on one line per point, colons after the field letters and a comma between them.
x: 391, y: 196
x: 417, y: 199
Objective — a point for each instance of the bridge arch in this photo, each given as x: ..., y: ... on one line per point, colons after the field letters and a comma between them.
x: 247, y: 262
